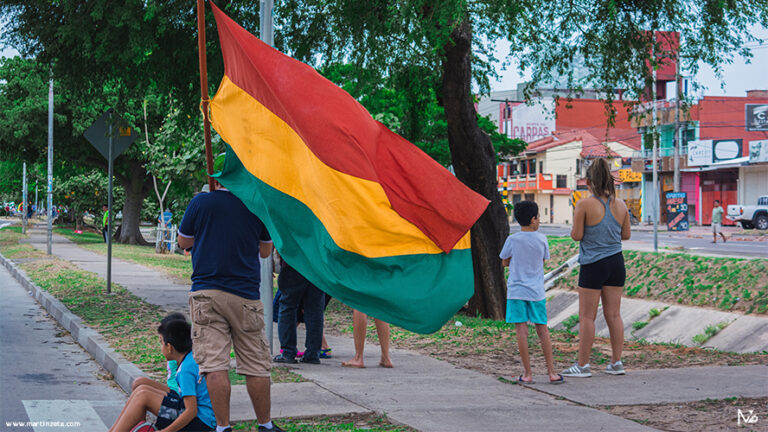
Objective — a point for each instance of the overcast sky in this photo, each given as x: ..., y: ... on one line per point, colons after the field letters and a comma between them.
x: 738, y: 76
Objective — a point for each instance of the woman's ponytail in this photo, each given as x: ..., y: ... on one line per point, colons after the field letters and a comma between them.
x: 600, y: 178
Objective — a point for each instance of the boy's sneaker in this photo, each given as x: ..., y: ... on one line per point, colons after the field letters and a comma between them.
x: 275, y: 428
x: 326, y: 353
x: 615, y: 368
x: 578, y: 371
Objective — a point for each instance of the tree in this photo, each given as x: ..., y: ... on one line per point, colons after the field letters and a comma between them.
x: 111, y: 54
x: 439, y: 40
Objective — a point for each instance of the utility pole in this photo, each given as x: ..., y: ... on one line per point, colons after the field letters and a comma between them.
x: 267, y: 35
x: 655, y: 201
x: 50, y: 166
x: 24, y: 199
x: 678, y: 133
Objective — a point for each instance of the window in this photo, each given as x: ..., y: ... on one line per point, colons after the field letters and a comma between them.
x: 533, y: 166
x: 578, y: 167
x: 541, y: 167
x: 562, y: 181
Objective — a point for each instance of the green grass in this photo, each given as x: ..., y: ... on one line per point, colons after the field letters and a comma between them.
x: 709, y: 332
x: 637, y: 325
x: 348, y: 423
x: 723, y: 283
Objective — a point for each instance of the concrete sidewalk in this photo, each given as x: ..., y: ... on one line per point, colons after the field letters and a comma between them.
x: 433, y: 395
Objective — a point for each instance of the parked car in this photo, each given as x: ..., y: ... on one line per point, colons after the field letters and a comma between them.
x: 751, y: 216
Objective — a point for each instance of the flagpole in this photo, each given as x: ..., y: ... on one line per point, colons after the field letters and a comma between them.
x: 204, y: 89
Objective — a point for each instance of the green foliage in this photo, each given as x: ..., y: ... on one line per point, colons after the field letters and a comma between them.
x: 85, y: 193
x: 709, y: 332
x: 570, y: 322
x: 637, y: 325
x: 653, y: 313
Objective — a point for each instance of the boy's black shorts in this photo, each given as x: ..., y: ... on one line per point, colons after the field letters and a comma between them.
x: 608, y: 271
x: 171, y: 408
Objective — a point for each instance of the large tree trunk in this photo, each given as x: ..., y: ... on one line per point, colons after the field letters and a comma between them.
x: 475, y: 165
x: 136, y: 187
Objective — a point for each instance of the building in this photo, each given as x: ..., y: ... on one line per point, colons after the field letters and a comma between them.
x: 721, y: 156
x: 552, y: 168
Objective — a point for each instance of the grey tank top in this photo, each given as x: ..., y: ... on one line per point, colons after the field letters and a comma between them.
x: 601, y: 240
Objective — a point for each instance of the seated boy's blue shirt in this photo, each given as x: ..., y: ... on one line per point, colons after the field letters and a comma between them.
x: 526, y: 252
x: 190, y: 384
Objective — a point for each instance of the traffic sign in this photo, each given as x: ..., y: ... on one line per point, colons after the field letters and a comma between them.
x: 110, y: 124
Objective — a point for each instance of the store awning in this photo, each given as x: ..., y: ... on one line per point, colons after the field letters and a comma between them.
x: 733, y: 163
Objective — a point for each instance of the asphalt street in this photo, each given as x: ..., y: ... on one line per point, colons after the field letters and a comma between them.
x: 693, y: 242
x: 48, y: 382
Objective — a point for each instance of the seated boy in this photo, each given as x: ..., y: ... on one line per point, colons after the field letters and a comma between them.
x: 525, y: 253
x: 189, y: 409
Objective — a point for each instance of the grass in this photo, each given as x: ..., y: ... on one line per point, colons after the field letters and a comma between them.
x: 345, y: 423
x: 637, y: 325
x: 709, y: 332
x: 728, y: 284
x: 127, y: 323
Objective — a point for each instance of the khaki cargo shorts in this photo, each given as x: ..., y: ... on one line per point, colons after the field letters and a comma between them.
x: 220, y: 320
x: 716, y: 227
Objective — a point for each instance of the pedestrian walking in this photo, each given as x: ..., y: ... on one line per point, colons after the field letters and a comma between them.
x: 226, y: 241
x: 600, y: 223
x: 104, y: 220
x: 717, y: 222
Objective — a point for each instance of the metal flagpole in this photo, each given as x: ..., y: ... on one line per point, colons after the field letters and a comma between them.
x: 50, y: 166
x: 267, y: 35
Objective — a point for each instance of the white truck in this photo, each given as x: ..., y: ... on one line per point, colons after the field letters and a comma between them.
x: 754, y: 216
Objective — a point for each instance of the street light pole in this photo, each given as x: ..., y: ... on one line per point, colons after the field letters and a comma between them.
x: 267, y: 35
x: 678, y: 135
x: 50, y: 167
x: 655, y: 205
x: 25, y: 211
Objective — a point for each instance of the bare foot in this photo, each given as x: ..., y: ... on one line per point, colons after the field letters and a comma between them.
x: 357, y: 364
x: 386, y: 363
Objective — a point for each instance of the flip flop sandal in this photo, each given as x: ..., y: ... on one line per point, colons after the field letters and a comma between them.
x: 520, y: 380
x: 561, y: 380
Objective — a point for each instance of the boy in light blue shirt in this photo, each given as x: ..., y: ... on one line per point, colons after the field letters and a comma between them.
x: 525, y: 253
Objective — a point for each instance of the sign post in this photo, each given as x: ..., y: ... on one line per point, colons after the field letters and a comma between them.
x: 110, y: 137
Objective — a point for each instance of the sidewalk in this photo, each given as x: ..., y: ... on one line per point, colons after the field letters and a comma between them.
x: 432, y: 395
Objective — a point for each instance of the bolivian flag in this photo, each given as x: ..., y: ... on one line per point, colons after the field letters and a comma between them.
x: 359, y: 211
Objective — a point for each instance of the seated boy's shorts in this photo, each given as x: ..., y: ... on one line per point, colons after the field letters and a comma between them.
x: 171, y: 408
x: 523, y: 311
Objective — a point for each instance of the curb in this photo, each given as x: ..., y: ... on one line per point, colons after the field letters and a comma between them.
x: 123, y: 371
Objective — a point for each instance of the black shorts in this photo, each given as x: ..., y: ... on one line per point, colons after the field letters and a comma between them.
x: 170, y: 409
x: 608, y: 271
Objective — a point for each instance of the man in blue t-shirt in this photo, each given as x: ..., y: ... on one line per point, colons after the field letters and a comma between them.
x: 226, y: 241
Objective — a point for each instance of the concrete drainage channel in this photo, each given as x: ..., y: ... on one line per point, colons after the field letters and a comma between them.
x: 123, y: 370
x: 690, y: 326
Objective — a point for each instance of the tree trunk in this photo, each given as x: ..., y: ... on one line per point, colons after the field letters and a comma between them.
x: 136, y: 187
x: 475, y: 165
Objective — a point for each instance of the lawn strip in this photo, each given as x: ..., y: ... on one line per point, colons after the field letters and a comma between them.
x: 342, y: 423
x: 728, y: 284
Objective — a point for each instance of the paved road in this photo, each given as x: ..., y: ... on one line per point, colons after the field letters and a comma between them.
x: 695, y: 242
x: 44, y: 374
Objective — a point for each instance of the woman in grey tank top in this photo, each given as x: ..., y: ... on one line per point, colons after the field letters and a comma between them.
x: 600, y: 223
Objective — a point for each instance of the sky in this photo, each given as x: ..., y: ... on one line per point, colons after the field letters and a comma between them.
x: 738, y: 77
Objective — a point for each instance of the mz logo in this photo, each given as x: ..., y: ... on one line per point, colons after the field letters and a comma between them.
x: 750, y: 418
